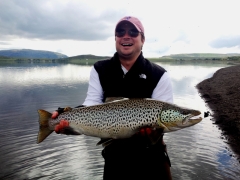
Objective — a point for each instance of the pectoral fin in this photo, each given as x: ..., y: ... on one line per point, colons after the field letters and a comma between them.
x: 105, y: 142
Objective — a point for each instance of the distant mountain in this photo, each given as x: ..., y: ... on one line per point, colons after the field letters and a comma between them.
x: 201, y: 55
x: 31, y: 54
x: 88, y: 56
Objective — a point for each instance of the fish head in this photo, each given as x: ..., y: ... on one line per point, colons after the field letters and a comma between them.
x: 173, y: 117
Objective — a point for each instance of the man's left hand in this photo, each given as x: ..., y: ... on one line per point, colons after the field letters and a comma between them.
x: 153, y: 135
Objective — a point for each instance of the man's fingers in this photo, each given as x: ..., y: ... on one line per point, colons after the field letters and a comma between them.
x: 59, y: 128
x: 54, y: 115
x: 142, y: 132
x: 63, y: 123
x: 148, y: 131
x: 145, y: 131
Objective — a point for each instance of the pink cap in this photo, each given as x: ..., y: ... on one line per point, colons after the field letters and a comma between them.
x: 135, y: 21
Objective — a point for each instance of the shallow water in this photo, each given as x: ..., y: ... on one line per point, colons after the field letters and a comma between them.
x: 197, y: 152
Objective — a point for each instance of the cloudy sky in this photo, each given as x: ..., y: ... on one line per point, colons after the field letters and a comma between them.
x: 75, y: 27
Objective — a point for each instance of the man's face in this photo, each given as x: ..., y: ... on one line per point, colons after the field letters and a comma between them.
x: 128, y: 47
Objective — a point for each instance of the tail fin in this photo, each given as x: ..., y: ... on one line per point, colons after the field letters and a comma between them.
x: 44, y: 131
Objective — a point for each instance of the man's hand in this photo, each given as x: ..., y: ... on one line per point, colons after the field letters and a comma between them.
x: 153, y: 135
x: 56, y: 113
x: 146, y: 131
x: 62, y: 127
x: 59, y: 128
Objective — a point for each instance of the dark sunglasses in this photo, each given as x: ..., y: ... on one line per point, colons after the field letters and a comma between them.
x: 131, y: 32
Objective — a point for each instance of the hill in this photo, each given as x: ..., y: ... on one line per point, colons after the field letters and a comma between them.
x: 31, y: 54
x: 88, y: 56
x: 199, y: 56
x: 86, y: 59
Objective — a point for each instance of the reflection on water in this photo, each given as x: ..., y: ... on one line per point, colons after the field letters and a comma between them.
x: 197, y: 152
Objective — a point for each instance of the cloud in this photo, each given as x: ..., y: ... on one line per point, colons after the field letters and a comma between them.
x: 227, y: 41
x: 76, y: 27
x: 72, y: 20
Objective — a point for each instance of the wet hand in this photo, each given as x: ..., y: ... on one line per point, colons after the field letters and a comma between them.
x: 146, y: 131
x: 152, y: 135
x: 60, y: 128
x: 63, y: 126
x: 56, y: 113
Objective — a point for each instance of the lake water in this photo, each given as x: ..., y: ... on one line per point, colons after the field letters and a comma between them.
x: 197, y: 152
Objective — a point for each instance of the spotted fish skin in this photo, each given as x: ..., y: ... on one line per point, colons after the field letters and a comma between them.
x: 123, y: 118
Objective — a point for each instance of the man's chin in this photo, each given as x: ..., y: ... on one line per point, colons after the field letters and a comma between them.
x: 126, y: 55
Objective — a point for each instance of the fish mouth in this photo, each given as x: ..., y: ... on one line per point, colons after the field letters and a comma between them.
x: 193, y: 119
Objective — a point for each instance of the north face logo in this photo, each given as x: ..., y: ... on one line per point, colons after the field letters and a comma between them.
x: 143, y: 76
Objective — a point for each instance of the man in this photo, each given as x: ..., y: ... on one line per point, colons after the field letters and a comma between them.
x: 129, y: 74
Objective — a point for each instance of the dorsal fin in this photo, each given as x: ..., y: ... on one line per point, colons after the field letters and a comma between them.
x: 112, y: 99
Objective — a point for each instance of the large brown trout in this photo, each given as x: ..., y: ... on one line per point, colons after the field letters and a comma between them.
x: 120, y: 118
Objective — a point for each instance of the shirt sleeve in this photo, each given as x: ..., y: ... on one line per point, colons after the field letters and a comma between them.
x: 95, y: 91
x: 163, y: 91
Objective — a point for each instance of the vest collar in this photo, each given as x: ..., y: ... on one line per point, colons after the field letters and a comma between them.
x: 137, y: 67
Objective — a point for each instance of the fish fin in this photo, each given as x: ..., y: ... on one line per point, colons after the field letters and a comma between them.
x: 44, y: 130
x: 161, y: 125
x: 67, y: 109
x: 105, y: 142
x: 112, y: 99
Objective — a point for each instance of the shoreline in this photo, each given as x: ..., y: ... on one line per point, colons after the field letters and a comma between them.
x: 221, y: 93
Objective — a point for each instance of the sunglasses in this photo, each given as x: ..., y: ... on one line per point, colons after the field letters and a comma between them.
x: 132, y: 32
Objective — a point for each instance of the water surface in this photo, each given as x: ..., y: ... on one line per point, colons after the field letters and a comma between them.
x: 197, y: 152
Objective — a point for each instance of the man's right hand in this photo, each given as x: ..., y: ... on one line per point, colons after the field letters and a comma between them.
x: 55, y: 114
x: 153, y: 135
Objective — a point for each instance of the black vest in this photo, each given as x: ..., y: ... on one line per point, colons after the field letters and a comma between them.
x: 138, y: 82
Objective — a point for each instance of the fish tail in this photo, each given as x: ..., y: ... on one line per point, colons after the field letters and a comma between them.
x: 44, y: 130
